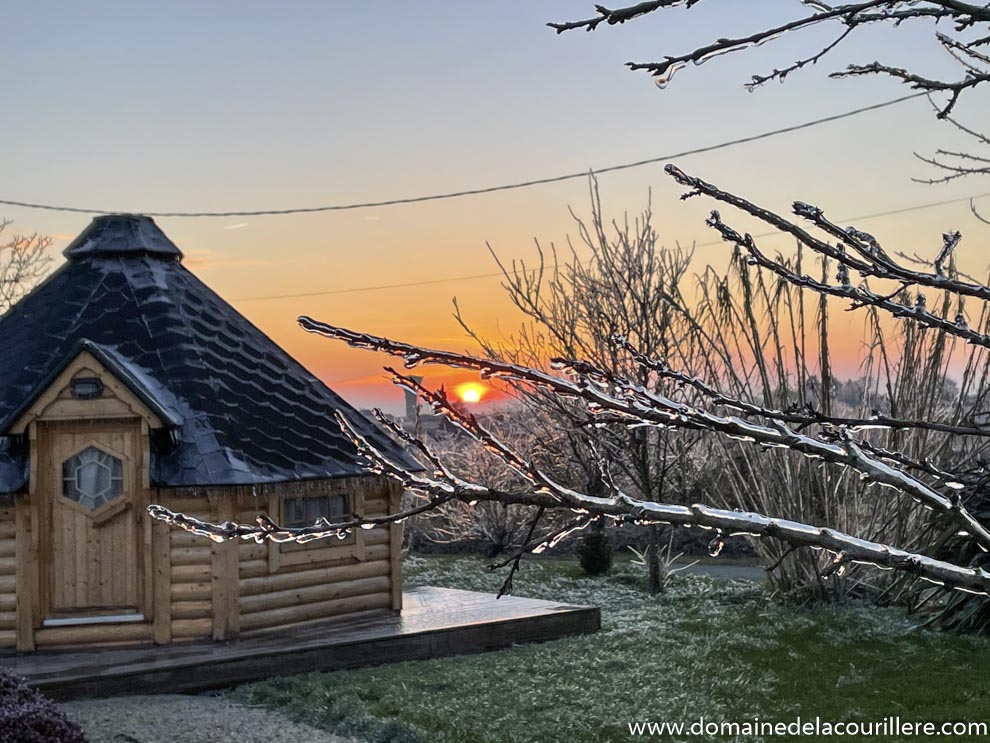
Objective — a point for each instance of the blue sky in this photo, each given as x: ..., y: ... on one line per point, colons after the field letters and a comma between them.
x: 222, y: 105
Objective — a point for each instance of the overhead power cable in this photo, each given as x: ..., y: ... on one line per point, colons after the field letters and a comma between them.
x: 477, y: 191
x: 498, y: 274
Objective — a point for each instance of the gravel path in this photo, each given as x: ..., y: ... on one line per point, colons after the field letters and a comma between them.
x: 176, y: 718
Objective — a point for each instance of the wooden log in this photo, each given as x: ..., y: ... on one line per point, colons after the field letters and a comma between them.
x: 257, y: 568
x: 188, y: 628
x: 146, y: 550
x: 8, y: 529
x: 191, y: 555
x: 192, y: 609
x: 343, y: 555
x: 312, y: 555
x: 8, y: 639
x: 8, y: 584
x: 253, y: 568
x: 224, y: 579
x: 274, y: 550
x: 8, y: 547
x: 376, y: 536
x: 191, y: 591
x: 8, y: 602
x: 8, y: 620
x: 375, y: 506
x: 190, y: 573
x: 318, y: 576
x: 252, y: 551
x: 394, y: 492
x: 308, y: 612
x: 188, y: 505
x: 162, y: 577
x: 25, y: 580
x: 377, y: 551
x: 181, y: 538
x: 314, y: 594
x: 95, y: 634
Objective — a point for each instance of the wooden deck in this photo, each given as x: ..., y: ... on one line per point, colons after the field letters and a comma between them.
x: 435, y: 622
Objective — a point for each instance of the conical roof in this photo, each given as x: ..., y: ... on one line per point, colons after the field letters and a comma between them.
x: 241, y: 410
x: 120, y: 235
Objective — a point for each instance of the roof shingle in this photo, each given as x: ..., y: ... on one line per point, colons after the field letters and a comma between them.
x: 246, y: 412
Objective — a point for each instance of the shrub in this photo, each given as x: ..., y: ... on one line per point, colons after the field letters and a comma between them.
x: 28, y: 716
x: 595, y: 551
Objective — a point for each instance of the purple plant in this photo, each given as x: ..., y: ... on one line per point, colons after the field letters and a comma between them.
x: 28, y: 716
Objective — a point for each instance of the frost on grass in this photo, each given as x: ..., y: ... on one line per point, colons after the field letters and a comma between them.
x: 662, y: 645
x: 707, y: 647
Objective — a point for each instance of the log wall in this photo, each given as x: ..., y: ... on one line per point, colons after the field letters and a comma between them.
x: 190, y: 574
x: 8, y: 577
x: 289, y: 584
x: 201, y: 589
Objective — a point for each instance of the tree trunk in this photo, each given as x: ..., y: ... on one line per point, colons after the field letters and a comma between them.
x: 653, y: 560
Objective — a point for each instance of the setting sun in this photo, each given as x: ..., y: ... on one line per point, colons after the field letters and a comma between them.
x: 470, y: 392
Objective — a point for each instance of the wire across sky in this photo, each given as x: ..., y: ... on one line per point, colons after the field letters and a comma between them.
x: 426, y: 282
x: 506, y: 187
x: 478, y: 191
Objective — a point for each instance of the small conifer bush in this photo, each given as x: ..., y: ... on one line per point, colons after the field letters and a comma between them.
x: 595, y: 551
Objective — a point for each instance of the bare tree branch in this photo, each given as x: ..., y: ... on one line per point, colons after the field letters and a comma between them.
x: 868, y: 257
x: 24, y: 261
x: 603, y: 392
x: 853, y: 15
x: 622, y: 508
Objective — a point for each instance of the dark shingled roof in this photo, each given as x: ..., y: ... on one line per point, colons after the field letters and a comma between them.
x: 242, y: 411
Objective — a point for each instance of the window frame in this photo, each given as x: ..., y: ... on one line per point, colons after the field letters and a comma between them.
x: 319, y: 551
x: 329, y: 543
x: 119, y: 479
x: 310, y: 519
x: 109, y: 510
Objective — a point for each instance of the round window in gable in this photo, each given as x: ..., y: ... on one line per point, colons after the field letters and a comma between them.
x: 87, y: 388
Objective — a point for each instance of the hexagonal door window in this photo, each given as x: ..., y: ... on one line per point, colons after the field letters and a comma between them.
x: 92, y: 478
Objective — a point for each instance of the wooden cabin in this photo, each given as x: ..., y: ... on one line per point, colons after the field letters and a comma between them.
x: 125, y: 381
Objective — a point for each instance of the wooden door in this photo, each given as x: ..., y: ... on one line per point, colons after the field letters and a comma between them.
x: 92, y: 509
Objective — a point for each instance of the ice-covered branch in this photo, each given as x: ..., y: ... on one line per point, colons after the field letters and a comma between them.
x: 606, y: 393
x: 801, y: 416
x: 266, y: 529
x: 619, y: 15
x: 868, y: 258
x: 859, y: 295
x: 852, y: 15
x: 622, y: 508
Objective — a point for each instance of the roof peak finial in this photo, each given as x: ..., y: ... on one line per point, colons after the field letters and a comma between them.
x: 119, y: 235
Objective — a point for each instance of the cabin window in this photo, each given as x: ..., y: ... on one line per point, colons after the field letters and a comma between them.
x: 92, y: 478
x: 300, y: 512
x: 87, y: 388
x: 296, y: 512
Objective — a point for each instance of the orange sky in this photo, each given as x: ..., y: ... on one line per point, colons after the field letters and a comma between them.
x: 364, y: 103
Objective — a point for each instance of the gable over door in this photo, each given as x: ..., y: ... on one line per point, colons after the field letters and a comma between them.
x: 84, y: 548
x: 91, y: 502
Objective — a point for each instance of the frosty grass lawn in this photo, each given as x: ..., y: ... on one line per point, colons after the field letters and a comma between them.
x: 712, y: 648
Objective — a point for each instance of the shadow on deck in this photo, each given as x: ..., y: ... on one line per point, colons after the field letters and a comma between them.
x: 435, y: 622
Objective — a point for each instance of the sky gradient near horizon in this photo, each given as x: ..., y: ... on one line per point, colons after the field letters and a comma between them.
x: 212, y: 106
